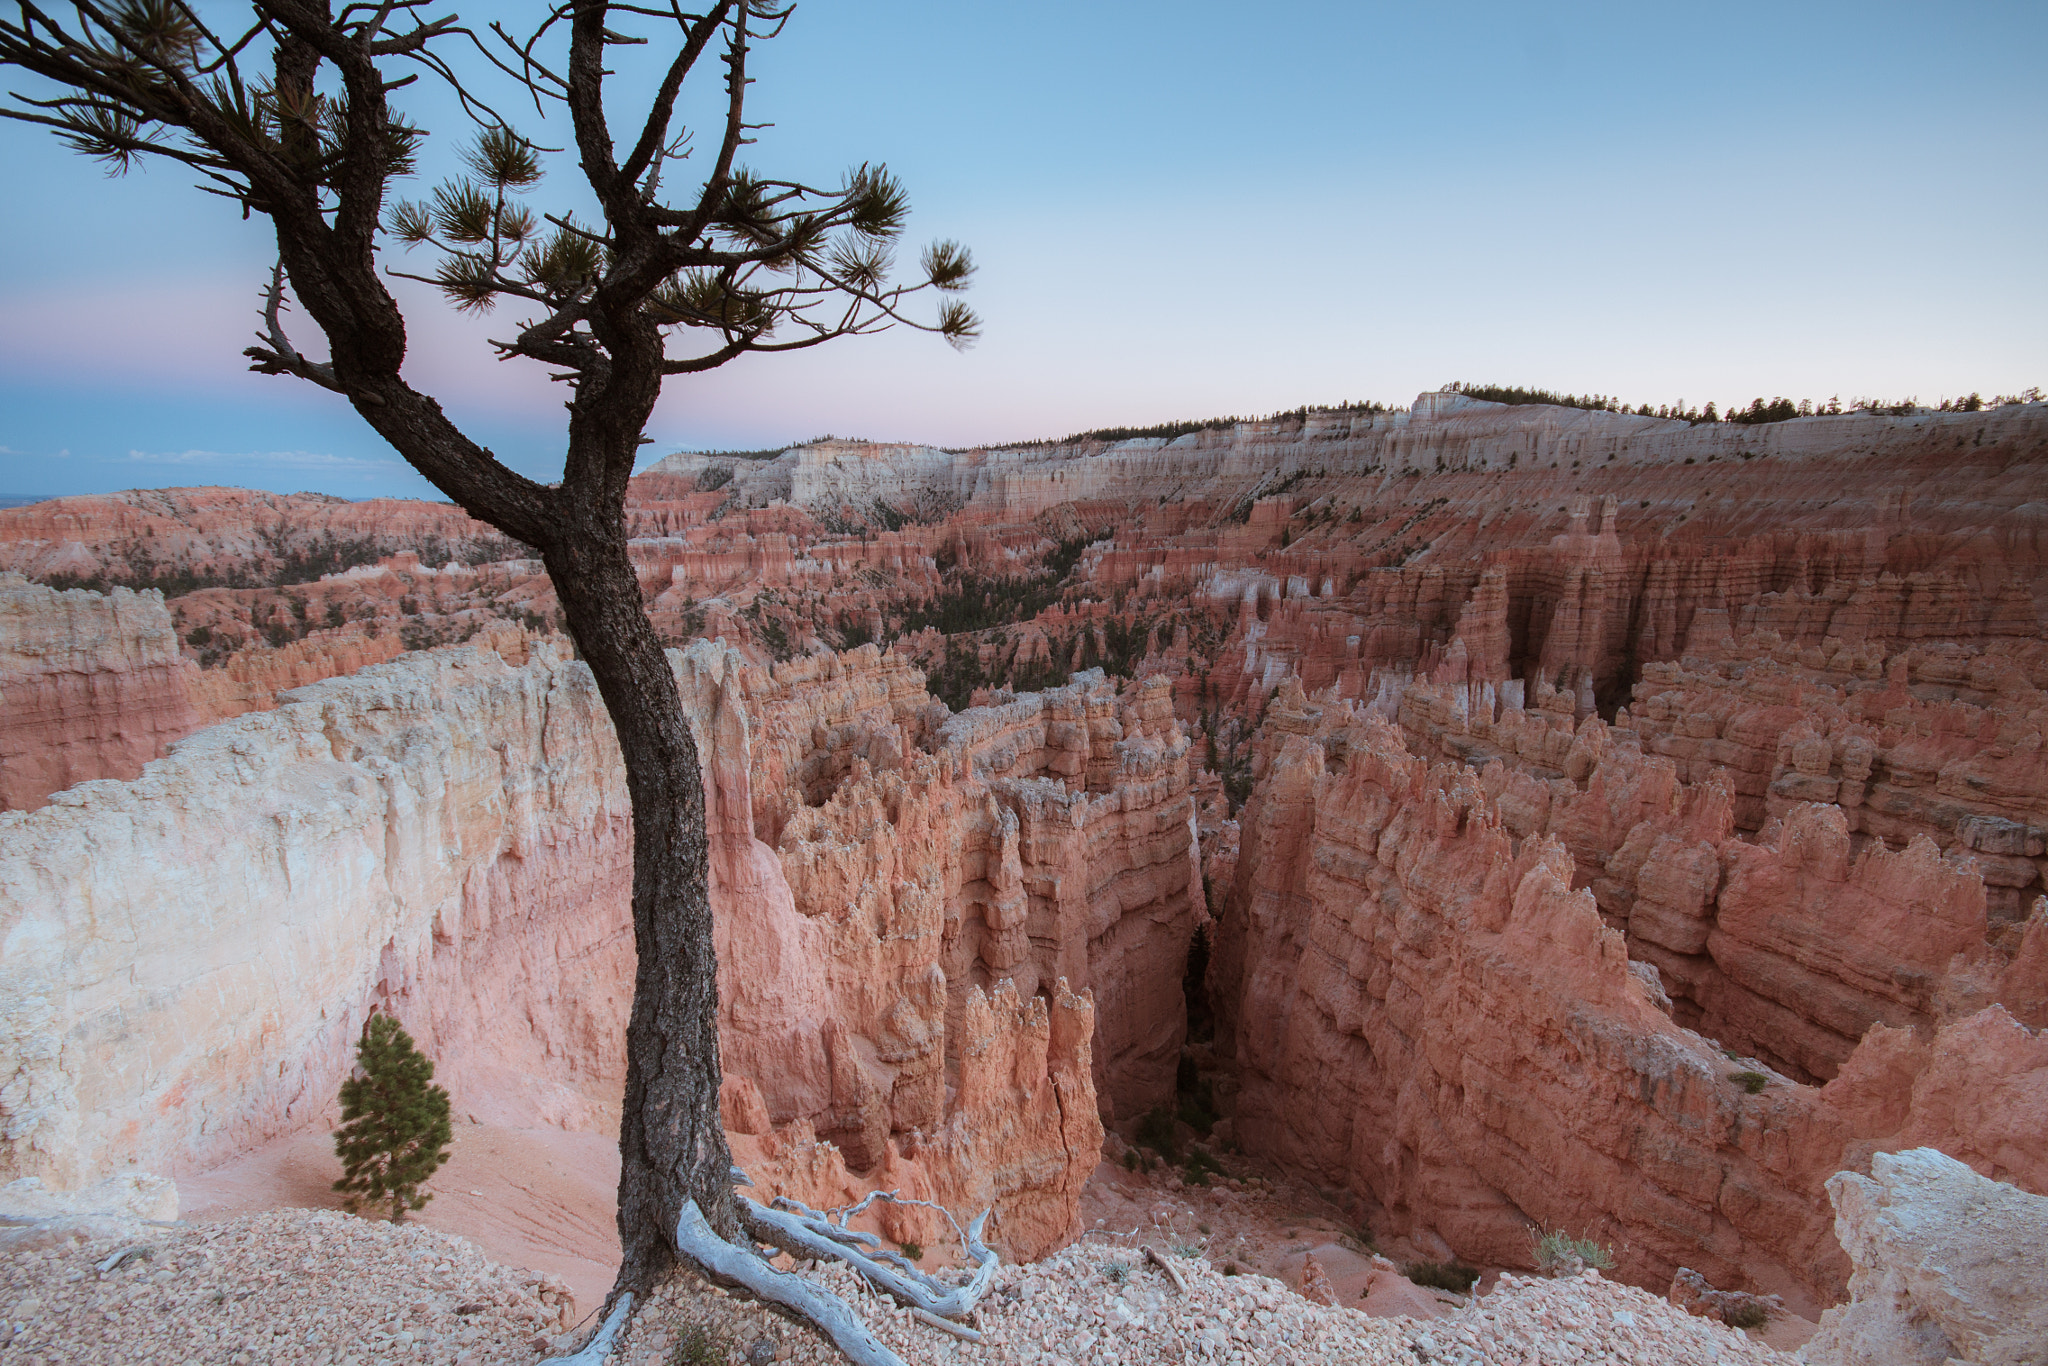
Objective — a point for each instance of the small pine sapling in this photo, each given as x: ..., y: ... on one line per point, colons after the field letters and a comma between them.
x: 394, y: 1130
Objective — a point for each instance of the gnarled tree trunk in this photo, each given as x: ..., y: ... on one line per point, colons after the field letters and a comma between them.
x: 672, y: 1147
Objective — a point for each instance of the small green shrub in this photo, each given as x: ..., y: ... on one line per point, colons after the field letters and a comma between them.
x: 698, y: 1345
x: 1560, y: 1254
x: 395, y: 1129
x: 914, y: 1251
x: 1752, y: 1082
x: 1116, y: 1273
x: 1751, y: 1315
x: 1199, y: 1167
x: 1453, y: 1276
x: 1155, y: 1131
x: 1230, y: 1269
x: 1130, y: 1159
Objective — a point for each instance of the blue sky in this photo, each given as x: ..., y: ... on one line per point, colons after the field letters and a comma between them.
x: 1182, y: 210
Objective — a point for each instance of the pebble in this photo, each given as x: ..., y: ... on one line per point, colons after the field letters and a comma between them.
x: 1064, y: 1311
x: 290, y: 1286
x: 327, y: 1289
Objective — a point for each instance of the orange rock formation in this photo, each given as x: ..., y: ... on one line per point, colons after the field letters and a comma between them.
x: 91, y: 686
x: 1421, y: 1007
x: 1540, y: 760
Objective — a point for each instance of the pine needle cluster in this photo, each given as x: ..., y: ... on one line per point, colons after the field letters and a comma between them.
x: 395, y: 1128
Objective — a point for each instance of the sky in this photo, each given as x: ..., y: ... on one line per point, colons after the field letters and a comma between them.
x: 1179, y: 210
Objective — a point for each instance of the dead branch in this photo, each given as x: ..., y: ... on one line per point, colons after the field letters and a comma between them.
x: 280, y: 357
x: 958, y: 1330
x: 1172, y: 1273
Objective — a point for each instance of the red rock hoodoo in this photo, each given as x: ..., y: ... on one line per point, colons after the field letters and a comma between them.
x: 1593, y: 822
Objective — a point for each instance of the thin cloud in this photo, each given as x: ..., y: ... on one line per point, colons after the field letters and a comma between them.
x: 276, y: 460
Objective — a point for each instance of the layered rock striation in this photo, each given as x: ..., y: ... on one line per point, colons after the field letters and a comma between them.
x: 906, y: 972
x: 1046, y: 839
x: 91, y: 686
x: 192, y: 953
x: 1865, y: 898
x: 1422, y: 1009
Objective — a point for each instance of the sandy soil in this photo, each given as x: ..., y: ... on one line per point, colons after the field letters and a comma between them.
x: 543, y: 1199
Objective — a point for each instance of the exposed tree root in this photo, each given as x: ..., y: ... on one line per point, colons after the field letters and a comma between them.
x: 697, y: 1241
x: 600, y: 1344
x: 805, y: 1233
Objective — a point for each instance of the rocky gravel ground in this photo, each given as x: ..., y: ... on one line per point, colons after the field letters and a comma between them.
x: 306, y: 1287
x: 327, y: 1289
x: 1100, y: 1303
x: 1528, y: 1320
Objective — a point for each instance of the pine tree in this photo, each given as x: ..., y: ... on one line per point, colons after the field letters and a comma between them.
x: 394, y: 1130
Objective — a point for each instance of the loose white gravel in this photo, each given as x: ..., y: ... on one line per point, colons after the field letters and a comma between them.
x: 1100, y: 1304
x: 328, y: 1289
x: 310, y: 1287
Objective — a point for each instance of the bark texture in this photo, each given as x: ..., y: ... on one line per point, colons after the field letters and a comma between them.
x: 671, y: 1144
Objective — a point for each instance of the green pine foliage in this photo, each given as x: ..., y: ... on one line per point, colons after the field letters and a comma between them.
x: 1759, y: 412
x: 394, y: 1130
x: 1514, y: 395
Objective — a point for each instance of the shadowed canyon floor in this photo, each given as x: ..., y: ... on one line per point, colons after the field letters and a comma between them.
x: 1476, y: 820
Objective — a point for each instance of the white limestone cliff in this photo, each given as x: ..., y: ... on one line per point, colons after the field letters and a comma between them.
x: 1950, y: 1267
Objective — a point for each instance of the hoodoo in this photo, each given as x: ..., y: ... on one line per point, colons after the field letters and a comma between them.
x: 1497, y: 820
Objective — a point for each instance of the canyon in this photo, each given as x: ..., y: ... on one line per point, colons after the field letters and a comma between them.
x: 1505, y: 819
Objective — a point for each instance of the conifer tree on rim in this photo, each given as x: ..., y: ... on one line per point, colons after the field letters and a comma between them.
x: 394, y: 1132
x: 290, y: 117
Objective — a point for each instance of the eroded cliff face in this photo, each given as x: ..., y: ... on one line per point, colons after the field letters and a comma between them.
x: 1045, y: 839
x: 91, y: 686
x: 909, y: 970
x: 1769, y: 699
x: 1422, y: 1009
x: 1899, y: 802
x: 191, y: 954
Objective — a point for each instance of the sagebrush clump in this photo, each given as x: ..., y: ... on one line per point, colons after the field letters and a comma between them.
x: 1560, y: 1254
x: 395, y: 1129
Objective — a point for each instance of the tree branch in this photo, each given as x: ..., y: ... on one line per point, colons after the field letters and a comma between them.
x: 654, y: 134
x: 280, y: 358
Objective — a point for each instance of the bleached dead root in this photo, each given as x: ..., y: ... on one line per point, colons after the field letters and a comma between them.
x: 600, y: 1345
x: 700, y: 1243
x: 804, y: 1232
x: 815, y: 1235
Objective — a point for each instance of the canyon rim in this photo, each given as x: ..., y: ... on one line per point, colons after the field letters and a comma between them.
x: 1495, y: 818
